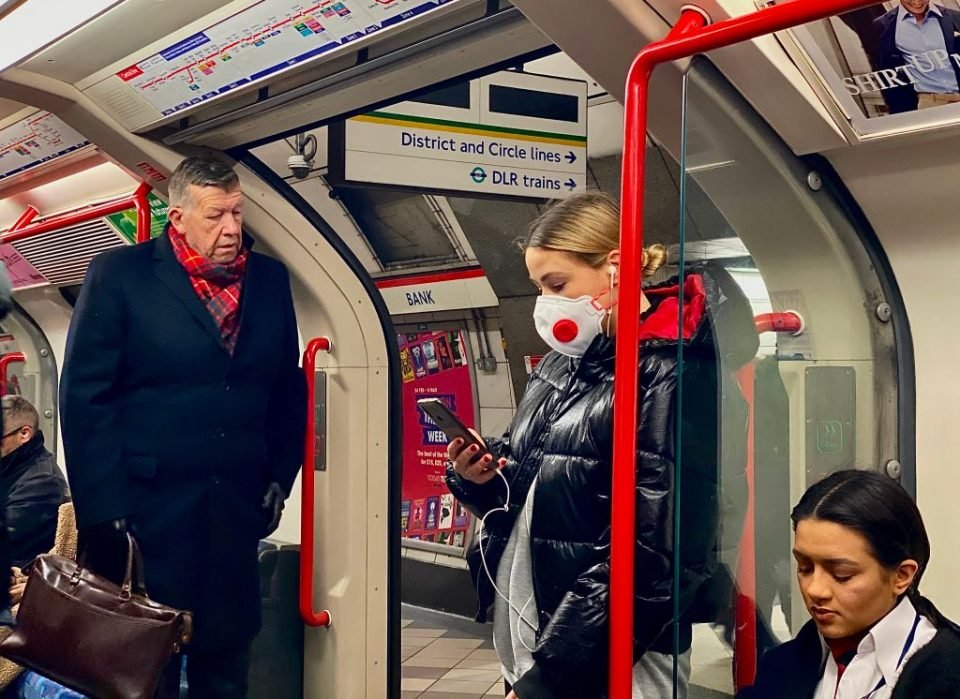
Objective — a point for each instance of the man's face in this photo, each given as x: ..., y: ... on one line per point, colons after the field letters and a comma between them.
x: 917, y: 7
x: 15, y: 439
x: 211, y: 221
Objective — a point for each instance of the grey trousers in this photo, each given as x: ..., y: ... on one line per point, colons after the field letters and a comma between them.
x: 653, y: 676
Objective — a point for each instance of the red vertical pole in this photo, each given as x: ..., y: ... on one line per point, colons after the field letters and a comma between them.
x: 745, y: 609
x: 142, y: 206
x: 689, y: 37
x: 625, y: 399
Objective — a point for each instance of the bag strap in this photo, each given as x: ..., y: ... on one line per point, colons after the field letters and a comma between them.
x: 133, y: 581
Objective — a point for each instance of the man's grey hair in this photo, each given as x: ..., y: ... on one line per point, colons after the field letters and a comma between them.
x: 19, y: 412
x: 201, y: 171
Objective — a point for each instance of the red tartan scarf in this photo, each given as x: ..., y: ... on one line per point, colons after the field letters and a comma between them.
x: 217, y: 286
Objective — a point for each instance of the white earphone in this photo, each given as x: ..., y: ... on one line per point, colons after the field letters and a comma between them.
x: 612, y: 271
x: 519, y: 612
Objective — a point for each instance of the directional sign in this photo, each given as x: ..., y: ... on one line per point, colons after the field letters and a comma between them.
x: 520, y: 153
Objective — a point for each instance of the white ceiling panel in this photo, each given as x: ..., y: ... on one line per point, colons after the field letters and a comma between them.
x: 122, y: 31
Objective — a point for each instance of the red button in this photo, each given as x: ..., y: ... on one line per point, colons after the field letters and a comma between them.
x: 565, y: 330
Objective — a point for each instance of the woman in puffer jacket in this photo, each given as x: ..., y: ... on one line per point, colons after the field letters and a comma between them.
x: 543, y: 490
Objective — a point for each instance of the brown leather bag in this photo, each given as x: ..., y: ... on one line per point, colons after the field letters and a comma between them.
x: 92, y: 636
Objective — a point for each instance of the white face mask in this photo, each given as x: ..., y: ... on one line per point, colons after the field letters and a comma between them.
x: 569, y: 325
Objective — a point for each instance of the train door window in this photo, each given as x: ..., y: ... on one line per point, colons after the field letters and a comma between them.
x: 764, y: 414
x: 27, y: 369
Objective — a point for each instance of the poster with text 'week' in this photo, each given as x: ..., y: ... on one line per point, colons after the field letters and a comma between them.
x: 434, y: 365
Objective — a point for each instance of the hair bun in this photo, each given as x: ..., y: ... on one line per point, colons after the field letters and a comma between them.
x: 654, y: 257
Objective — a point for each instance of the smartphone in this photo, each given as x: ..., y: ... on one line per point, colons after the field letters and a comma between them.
x: 449, y: 423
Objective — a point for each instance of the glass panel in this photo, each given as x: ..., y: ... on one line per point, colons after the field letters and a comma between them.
x: 763, y: 414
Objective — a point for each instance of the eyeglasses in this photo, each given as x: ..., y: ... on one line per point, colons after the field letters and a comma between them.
x: 13, y: 432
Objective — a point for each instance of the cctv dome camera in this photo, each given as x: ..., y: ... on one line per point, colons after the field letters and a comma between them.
x: 299, y: 166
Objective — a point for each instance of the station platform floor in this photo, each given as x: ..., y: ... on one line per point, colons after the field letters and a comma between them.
x: 449, y: 657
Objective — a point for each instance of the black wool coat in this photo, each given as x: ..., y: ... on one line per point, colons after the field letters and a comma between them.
x: 163, y: 426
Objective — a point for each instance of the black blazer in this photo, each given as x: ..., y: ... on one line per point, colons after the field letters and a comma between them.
x: 162, y: 426
x: 793, y: 670
x: 904, y: 99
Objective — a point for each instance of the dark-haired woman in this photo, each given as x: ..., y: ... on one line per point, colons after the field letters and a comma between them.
x: 861, y: 550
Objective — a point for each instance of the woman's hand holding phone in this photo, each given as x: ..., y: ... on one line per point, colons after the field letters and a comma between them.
x: 473, y: 462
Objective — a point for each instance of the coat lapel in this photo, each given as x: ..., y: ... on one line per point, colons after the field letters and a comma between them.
x: 947, y: 26
x: 175, y: 278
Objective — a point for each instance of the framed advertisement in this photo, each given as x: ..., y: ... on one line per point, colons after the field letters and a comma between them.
x: 434, y: 364
x: 887, y: 68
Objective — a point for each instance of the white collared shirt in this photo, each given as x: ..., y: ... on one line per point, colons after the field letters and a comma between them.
x: 878, y: 657
x: 922, y: 46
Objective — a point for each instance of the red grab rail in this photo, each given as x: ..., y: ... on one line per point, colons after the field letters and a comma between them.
x: 26, y: 217
x: 688, y: 37
x: 142, y: 205
x: 745, y: 604
x: 786, y: 322
x: 23, y: 228
x: 308, y: 496
x: 5, y: 361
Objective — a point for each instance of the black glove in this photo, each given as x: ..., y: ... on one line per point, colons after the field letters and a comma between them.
x: 273, y: 503
x: 103, y: 548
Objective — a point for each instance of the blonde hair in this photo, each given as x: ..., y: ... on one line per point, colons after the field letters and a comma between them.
x: 587, y: 226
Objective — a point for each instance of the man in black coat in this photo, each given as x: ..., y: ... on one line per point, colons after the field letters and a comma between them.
x: 183, y: 414
x: 920, y: 37
x: 32, y: 487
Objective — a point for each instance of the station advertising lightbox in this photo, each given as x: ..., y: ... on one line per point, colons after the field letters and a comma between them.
x: 434, y: 365
x: 509, y: 134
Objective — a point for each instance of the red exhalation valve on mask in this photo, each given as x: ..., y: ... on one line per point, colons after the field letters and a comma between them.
x: 565, y: 330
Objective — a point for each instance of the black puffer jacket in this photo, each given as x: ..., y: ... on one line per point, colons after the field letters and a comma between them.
x: 32, y: 488
x: 562, y: 434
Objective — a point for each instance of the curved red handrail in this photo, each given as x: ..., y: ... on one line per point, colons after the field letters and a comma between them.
x: 688, y: 37
x: 787, y: 322
x: 30, y: 213
x: 5, y: 361
x: 24, y: 228
x: 308, y: 494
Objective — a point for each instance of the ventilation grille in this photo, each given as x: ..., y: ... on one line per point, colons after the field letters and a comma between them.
x: 62, y: 256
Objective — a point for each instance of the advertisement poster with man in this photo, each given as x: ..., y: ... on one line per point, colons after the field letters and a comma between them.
x: 893, y: 58
x: 433, y: 365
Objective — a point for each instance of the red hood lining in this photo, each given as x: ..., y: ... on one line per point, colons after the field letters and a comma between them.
x: 661, y: 323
